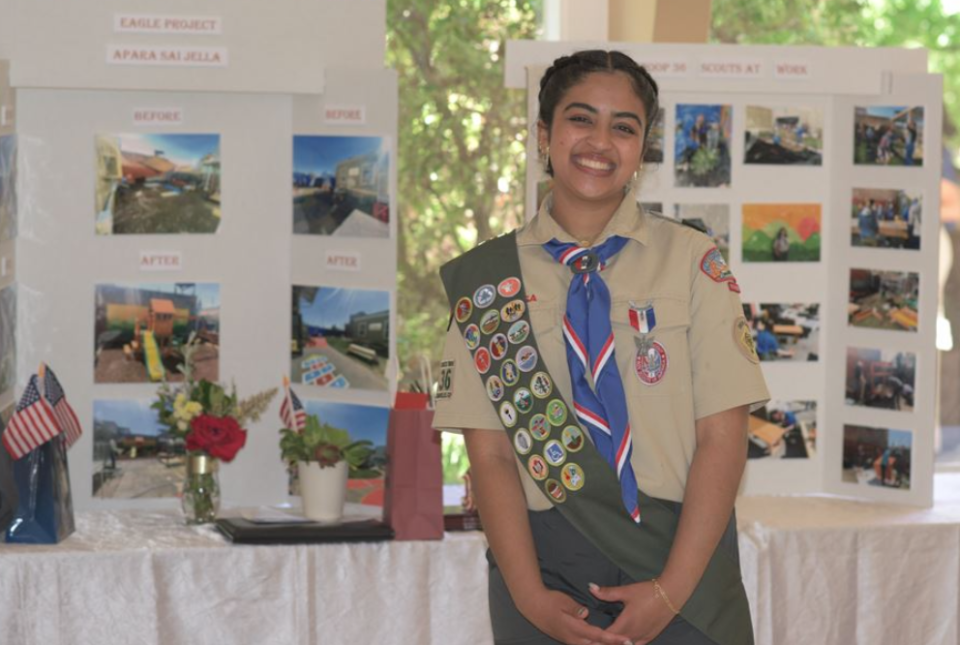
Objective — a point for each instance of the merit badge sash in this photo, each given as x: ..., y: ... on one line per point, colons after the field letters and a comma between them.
x: 488, y: 302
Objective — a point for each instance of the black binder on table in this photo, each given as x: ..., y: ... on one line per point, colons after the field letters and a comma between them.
x: 242, y: 531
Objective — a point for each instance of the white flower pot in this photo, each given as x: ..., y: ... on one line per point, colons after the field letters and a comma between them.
x: 323, y: 490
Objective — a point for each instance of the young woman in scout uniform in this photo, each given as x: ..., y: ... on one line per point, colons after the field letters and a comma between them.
x: 623, y: 386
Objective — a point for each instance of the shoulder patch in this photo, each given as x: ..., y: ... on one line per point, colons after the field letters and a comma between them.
x: 715, y: 267
x: 744, y: 339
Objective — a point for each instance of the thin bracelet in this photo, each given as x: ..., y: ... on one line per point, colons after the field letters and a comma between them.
x: 657, y: 589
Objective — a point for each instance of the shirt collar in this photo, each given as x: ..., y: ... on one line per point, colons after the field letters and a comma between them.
x: 628, y: 221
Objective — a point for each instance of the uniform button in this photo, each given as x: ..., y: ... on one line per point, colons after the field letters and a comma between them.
x: 585, y: 244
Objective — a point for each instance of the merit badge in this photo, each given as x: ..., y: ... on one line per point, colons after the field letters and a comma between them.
x: 508, y: 414
x: 523, y: 400
x: 555, y: 491
x: 482, y: 360
x: 513, y: 310
x: 495, y: 388
x: 509, y: 287
x: 572, y: 475
x: 490, y: 321
x: 538, y: 427
x: 537, y: 467
x: 642, y: 318
x: 472, y: 337
x: 572, y: 438
x: 556, y: 412
x: 519, y: 332
x: 744, y: 340
x: 541, y: 385
x: 715, y: 267
x: 464, y: 309
x: 651, y: 364
x: 522, y: 442
x: 484, y: 296
x: 526, y: 358
x: 554, y: 453
x: 509, y: 373
x: 498, y: 346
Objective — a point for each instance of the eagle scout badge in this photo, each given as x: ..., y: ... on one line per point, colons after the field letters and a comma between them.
x: 509, y: 373
x: 490, y: 321
x: 495, y: 388
x: 471, y: 335
x: 642, y: 318
x: 523, y: 400
x: 651, y: 365
x: 555, y: 491
x: 509, y: 287
x: 572, y: 476
x: 556, y: 412
x: 526, y: 358
x: 554, y: 453
x: 498, y: 346
x: 744, y: 339
x: 572, y: 438
x: 522, y: 442
x: 538, y: 427
x: 519, y: 331
x: 482, y: 360
x: 484, y: 296
x: 508, y: 414
x: 541, y: 385
x: 464, y: 309
x: 537, y: 467
x: 513, y: 310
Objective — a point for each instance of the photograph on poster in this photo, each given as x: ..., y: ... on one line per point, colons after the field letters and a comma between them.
x: 702, y: 145
x: 341, y: 186
x: 785, y: 332
x: 781, y: 232
x: 714, y: 219
x: 140, y: 331
x: 8, y: 187
x: 134, y: 455
x: 881, y: 378
x: 883, y: 299
x: 340, y: 337
x: 654, y: 208
x: 157, y: 183
x: 783, y: 136
x: 877, y: 456
x: 8, y: 337
x: 888, y: 136
x: 884, y: 218
x: 783, y: 430
x: 363, y: 423
x: 654, y: 150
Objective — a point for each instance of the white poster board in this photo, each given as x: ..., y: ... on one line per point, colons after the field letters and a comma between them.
x: 746, y: 89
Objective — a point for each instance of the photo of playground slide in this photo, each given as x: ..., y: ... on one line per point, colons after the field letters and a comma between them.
x: 363, y: 422
x: 140, y: 331
x: 340, y: 338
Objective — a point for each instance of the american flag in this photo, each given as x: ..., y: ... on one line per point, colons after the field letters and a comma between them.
x: 64, y: 414
x: 32, y: 424
x: 291, y: 411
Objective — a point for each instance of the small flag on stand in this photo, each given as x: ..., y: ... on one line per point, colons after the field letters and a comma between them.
x: 41, y: 416
x: 291, y: 410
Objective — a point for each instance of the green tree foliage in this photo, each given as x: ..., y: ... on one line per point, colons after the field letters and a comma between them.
x: 461, y: 149
x: 861, y: 23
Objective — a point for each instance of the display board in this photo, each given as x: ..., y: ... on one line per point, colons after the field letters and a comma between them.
x: 816, y: 171
x: 260, y: 212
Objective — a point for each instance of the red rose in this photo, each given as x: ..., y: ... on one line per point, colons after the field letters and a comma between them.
x: 220, y: 437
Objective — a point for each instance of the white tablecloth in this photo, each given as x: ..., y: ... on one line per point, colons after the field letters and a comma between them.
x: 818, y: 571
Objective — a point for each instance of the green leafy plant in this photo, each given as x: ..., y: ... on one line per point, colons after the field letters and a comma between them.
x: 324, y: 444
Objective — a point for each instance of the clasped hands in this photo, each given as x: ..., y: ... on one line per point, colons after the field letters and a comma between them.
x: 643, y: 617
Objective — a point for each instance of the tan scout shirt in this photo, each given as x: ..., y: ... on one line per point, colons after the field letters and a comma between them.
x: 708, y: 368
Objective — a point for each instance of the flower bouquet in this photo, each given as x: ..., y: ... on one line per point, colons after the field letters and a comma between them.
x: 210, y: 423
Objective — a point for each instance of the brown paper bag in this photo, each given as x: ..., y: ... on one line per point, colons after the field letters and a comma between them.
x: 413, y: 505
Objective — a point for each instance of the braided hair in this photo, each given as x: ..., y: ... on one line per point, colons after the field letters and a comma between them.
x: 567, y: 71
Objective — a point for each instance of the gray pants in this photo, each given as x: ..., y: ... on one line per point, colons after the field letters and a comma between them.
x: 568, y: 563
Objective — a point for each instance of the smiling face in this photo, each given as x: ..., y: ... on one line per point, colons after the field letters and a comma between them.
x: 596, y: 139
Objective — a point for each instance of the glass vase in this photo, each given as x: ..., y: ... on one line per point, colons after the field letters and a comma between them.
x: 201, y: 490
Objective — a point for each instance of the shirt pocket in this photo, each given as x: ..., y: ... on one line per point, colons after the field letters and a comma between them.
x: 656, y: 363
